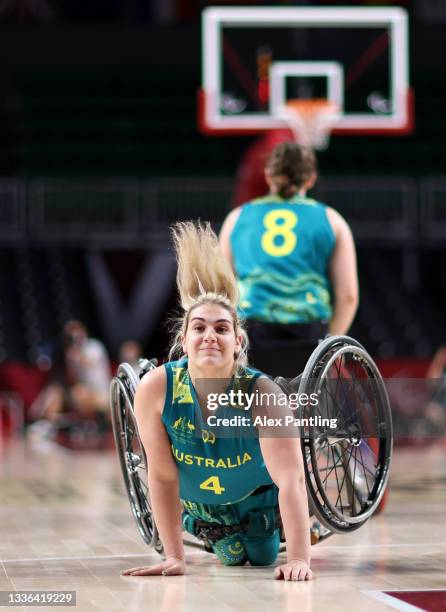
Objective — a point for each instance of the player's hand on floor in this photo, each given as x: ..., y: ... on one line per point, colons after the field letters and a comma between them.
x: 296, y: 570
x: 170, y: 567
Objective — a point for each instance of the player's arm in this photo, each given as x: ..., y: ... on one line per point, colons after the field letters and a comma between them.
x: 162, y: 474
x: 225, y: 234
x: 284, y: 462
x: 343, y: 275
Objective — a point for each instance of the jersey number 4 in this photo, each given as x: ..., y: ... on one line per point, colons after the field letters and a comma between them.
x: 212, y: 484
x: 279, y: 239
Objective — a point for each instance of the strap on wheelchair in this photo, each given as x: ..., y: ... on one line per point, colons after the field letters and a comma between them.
x: 257, y: 524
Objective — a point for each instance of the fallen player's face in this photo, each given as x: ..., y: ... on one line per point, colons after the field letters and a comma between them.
x: 210, y: 338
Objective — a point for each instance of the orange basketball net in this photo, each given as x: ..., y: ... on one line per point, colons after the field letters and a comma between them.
x: 311, y: 120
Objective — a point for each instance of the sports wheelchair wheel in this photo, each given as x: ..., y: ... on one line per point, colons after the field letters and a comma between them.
x: 130, y: 450
x: 346, y: 467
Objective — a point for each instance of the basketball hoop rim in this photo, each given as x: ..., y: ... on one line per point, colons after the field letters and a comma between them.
x: 311, y: 120
x: 312, y: 107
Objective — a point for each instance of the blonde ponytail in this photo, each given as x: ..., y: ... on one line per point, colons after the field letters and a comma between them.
x: 204, y: 276
x: 202, y: 269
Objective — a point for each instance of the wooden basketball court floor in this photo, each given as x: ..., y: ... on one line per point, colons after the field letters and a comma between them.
x: 65, y: 523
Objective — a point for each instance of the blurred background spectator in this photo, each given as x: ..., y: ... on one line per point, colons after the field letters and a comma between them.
x: 130, y: 352
x: 76, y: 395
x: 88, y: 370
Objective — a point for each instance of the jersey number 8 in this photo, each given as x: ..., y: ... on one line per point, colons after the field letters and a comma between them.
x: 279, y: 223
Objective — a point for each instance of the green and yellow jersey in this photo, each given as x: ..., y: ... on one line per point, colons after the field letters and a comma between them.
x: 281, y: 251
x: 213, y: 469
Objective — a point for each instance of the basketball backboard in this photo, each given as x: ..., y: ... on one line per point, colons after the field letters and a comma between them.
x: 256, y: 58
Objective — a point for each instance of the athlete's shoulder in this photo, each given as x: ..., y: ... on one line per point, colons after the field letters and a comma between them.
x: 234, y: 214
x: 177, y: 372
x: 226, y: 230
x: 250, y: 372
x: 181, y: 362
x: 176, y: 363
x: 152, y: 388
x: 338, y: 224
x: 265, y: 384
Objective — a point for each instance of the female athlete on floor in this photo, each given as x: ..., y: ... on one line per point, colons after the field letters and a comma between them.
x: 225, y: 488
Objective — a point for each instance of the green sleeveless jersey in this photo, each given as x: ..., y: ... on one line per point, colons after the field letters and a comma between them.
x: 281, y: 251
x: 212, y: 469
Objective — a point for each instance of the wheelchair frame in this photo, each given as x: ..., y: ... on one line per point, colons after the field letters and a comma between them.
x: 346, y: 474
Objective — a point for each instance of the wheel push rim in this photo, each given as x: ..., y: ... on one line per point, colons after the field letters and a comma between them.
x: 131, y: 454
x: 347, y: 473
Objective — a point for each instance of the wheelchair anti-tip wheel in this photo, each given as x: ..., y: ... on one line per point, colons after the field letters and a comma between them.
x: 130, y: 450
x: 346, y: 467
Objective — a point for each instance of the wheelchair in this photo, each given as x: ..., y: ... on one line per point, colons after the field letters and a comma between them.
x: 346, y: 470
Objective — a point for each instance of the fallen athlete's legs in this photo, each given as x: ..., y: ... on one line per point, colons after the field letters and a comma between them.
x: 259, y: 544
x: 261, y: 551
x: 230, y: 550
x: 239, y: 548
x: 262, y: 540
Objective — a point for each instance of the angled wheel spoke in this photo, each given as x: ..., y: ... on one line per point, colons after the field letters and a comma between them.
x: 346, y: 468
x: 355, y: 493
x: 330, y: 469
x: 364, y: 468
x: 326, y: 479
x: 371, y: 451
x: 337, y: 479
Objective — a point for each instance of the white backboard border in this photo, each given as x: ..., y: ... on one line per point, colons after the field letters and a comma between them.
x: 214, y: 19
